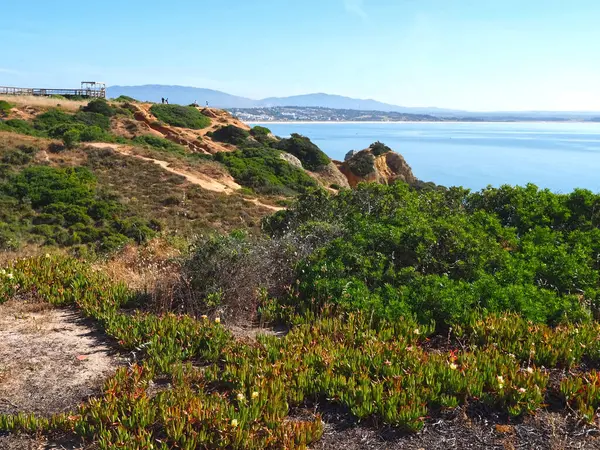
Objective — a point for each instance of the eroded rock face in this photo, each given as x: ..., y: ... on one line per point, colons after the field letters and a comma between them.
x: 386, y: 168
x: 330, y: 175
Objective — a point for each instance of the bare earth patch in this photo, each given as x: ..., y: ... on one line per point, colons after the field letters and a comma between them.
x: 50, y: 359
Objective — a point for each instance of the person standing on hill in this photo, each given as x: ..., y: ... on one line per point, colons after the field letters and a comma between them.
x: 162, y: 99
x: 167, y: 101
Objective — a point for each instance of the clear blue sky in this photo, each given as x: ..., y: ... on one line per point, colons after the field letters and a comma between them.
x: 469, y: 54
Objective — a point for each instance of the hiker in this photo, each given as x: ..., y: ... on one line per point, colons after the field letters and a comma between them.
x: 207, y: 103
x: 167, y: 101
x: 162, y: 99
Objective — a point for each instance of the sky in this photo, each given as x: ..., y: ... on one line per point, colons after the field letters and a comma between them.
x: 478, y: 55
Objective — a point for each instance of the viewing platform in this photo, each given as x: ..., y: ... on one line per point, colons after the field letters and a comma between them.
x: 91, y: 89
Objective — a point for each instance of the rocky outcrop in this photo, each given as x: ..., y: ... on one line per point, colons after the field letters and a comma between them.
x: 385, y: 168
x: 330, y: 176
x: 291, y: 159
x: 350, y: 154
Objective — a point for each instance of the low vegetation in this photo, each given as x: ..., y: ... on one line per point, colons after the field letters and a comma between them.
x: 311, y: 156
x: 5, y: 108
x: 180, y: 116
x: 362, y: 164
x: 159, y: 143
x: 264, y: 171
x: 379, y: 148
x: 62, y: 207
x: 231, y: 134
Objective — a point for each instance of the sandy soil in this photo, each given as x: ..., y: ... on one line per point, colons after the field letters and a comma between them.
x: 50, y: 359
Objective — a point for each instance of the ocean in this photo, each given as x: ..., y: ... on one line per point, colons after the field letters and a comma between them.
x: 558, y: 156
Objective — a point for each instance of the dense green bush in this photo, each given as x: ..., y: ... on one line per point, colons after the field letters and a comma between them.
x: 71, y: 138
x: 311, y: 156
x: 362, y: 164
x: 159, y: 143
x: 71, y: 128
x: 99, y: 106
x: 231, y: 135
x: 442, y: 254
x: 264, y: 171
x: 19, y: 126
x: 180, y: 116
x: 125, y: 99
x: 379, y: 148
x: 258, y: 131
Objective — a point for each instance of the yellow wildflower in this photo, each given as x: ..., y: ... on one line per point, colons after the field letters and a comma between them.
x: 217, y: 320
x: 255, y: 394
x: 234, y: 423
x: 453, y: 366
x: 240, y: 397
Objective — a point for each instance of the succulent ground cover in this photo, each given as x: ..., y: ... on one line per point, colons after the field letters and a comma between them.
x: 227, y: 393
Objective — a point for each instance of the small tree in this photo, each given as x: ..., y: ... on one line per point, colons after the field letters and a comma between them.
x: 71, y: 138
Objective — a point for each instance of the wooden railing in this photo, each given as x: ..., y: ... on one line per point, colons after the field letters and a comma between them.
x: 6, y: 90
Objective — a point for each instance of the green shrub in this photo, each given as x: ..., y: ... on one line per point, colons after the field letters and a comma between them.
x: 19, y: 126
x: 264, y: 171
x: 92, y: 119
x: 362, y: 164
x: 124, y: 99
x: 439, y: 255
x: 51, y: 119
x: 311, y: 156
x: 99, y: 106
x: 180, y: 116
x: 90, y: 126
x: 5, y: 107
x: 231, y: 135
x: 71, y: 138
x: 379, y: 148
x: 93, y: 134
x: 258, y: 131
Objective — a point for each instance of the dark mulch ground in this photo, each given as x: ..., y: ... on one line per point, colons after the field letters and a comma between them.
x: 471, y: 427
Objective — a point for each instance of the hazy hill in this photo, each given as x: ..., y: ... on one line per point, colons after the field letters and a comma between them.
x: 182, y: 95
x: 185, y: 95
x: 218, y: 99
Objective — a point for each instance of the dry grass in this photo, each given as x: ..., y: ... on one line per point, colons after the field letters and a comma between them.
x: 43, y: 102
x: 11, y: 140
x: 143, y: 267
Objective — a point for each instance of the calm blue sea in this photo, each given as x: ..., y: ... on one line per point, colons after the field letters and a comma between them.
x: 559, y: 156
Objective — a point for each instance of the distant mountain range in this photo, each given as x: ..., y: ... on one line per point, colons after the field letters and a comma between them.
x: 185, y: 95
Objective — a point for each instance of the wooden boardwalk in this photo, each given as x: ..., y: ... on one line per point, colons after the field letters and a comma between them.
x: 90, y: 89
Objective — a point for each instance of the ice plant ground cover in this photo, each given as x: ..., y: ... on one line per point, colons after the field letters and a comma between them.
x: 224, y: 393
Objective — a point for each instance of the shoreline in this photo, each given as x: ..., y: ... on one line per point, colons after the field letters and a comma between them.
x: 355, y: 122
